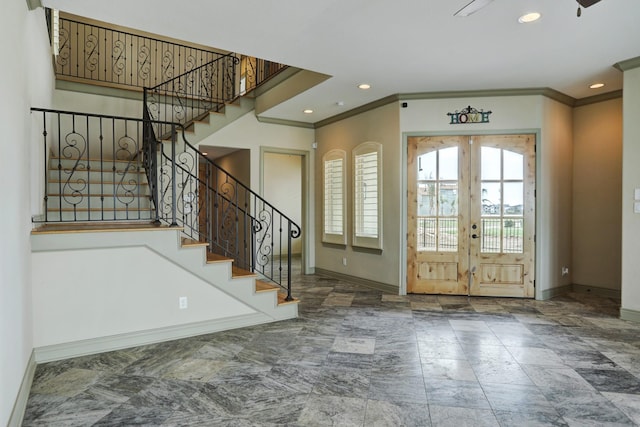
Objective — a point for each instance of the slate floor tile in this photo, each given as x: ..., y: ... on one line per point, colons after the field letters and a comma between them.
x: 362, y: 357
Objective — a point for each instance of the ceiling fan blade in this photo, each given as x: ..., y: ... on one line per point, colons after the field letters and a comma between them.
x: 587, y: 3
x: 476, y: 5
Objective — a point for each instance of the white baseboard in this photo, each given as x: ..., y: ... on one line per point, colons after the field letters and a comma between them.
x: 20, y: 405
x: 117, y: 342
x: 631, y: 315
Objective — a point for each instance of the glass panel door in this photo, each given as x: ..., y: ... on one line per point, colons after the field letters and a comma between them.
x: 471, y: 215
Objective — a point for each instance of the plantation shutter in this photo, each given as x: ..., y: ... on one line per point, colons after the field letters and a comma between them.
x: 366, y: 195
x: 334, y: 198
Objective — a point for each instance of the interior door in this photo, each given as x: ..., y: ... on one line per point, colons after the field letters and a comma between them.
x: 471, y: 215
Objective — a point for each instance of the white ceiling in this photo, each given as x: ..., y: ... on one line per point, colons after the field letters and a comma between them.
x: 399, y: 46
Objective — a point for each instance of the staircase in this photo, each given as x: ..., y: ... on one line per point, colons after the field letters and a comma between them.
x: 118, y: 184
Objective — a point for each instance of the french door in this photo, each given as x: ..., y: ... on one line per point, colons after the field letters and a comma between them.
x: 471, y: 215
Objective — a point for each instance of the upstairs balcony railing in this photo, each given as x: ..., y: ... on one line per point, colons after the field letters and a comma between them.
x: 107, y: 55
x: 103, y: 54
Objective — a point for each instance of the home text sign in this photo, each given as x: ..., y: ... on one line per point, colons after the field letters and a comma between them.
x: 469, y: 115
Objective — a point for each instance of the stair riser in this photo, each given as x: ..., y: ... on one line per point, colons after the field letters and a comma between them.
x: 94, y: 202
x: 96, y: 188
x: 105, y: 164
x: 96, y: 175
x: 55, y: 189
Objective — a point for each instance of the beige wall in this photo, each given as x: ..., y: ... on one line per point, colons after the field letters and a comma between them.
x: 237, y: 164
x: 551, y: 120
x: 523, y: 114
x: 597, y: 204
x: 380, y: 125
x: 554, y: 198
x: 631, y: 181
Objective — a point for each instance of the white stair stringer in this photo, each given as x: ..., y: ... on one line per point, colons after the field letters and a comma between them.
x: 216, y: 121
x: 161, y: 246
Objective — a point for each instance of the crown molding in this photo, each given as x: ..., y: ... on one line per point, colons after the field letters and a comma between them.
x: 628, y: 64
x: 283, y: 122
x: 547, y: 92
x: 34, y: 4
x: 358, y: 110
x: 598, y: 98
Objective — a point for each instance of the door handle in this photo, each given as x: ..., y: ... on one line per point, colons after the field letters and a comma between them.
x: 475, y: 236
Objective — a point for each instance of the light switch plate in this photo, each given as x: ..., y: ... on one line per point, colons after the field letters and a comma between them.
x: 637, y: 194
x: 636, y: 207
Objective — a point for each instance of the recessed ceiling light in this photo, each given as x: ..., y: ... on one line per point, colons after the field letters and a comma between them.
x: 364, y: 86
x: 204, y: 153
x: 307, y: 111
x: 529, y: 17
x: 596, y: 85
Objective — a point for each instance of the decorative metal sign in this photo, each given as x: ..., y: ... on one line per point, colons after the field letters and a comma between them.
x: 469, y: 115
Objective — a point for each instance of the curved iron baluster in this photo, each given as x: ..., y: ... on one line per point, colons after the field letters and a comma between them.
x: 74, y: 186
x: 264, y: 239
x: 64, y: 51
x: 126, y: 189
x: 190, y: 63
x: 144, y: 59
x: 91, y: 59
x: 167, y: 65
x: 118, y: 57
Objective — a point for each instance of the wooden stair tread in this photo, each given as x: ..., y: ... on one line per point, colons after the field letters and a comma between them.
x: 237, y: 272
x: 265, y: 287
x: 213, y: 258
x: 99, y: 227
x: 282, y: 299
x: 186, y: 242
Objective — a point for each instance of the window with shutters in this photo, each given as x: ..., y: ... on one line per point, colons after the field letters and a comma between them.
x: 334, y: 165
x: 367, y: 204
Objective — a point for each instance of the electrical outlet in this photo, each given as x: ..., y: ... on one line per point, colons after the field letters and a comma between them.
x: 344, y: 261
x: 183, y: 303
x: 565, y: 271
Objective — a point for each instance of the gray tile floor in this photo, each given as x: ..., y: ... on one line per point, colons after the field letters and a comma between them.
x: 359, y: 357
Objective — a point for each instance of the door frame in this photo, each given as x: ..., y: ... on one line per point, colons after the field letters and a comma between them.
x: 404, y: 192
x: 305, y: 188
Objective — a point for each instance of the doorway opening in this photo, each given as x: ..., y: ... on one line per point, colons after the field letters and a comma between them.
x: 283, y: 183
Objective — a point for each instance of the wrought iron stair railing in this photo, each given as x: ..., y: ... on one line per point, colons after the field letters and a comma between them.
x: 212, y: 206
x: 193, y: 94
x: 112, y: 168
x: 102, y: 161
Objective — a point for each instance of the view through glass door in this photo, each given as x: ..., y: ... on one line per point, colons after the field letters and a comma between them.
x: 471, y: 215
